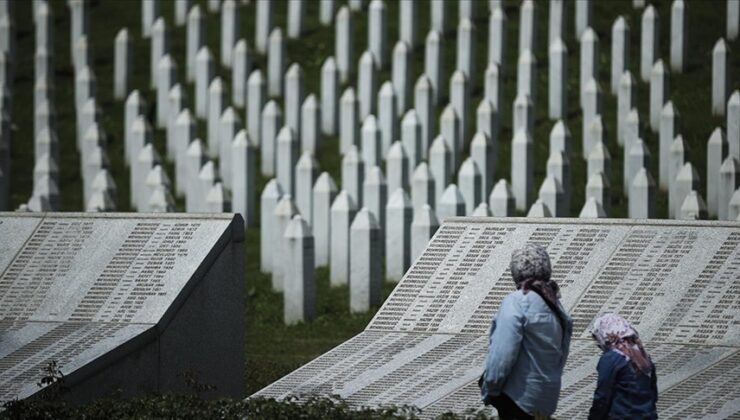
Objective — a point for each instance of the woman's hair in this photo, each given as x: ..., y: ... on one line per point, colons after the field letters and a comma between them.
x: 612, y: 332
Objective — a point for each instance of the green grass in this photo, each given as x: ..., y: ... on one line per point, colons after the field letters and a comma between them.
x: 272, y: 348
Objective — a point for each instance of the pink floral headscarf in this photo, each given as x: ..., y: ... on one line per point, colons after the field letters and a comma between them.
x: 613, y: 332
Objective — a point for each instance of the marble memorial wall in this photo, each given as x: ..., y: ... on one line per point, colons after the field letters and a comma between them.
x: 426, y: 346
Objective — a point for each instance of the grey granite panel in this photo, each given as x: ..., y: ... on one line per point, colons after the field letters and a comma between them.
x: 677, y: 281
x: 105, y: 295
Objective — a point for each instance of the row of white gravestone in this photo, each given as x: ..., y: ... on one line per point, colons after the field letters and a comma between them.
x: 345, y: 237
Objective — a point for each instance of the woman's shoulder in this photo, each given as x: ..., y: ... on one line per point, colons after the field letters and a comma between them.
x: 612, y: 359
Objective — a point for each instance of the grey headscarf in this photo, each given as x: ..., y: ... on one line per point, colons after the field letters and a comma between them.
x: 530, y: 268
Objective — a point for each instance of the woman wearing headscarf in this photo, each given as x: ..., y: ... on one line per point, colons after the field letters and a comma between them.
x: 528, y: 341
x: 627, y: 384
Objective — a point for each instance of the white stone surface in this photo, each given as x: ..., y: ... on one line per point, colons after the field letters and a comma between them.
x: 230, y: 31
x: 716, y: 154
x: 196, y: 33
x: 256, y: 98
x: 286, y: 158
x: 276, y: 62
x: 343, y: 211
x: 642, y: 196
x: 300, y: 288
x: 310, y: 124
x: 401, y: 73
x: 367, y: 84
x: 329, y: 97
x: 272, y: 122
x: 423, y: 227
x: 377, y: 36
x: 343, y: 44
x: 306, y: 172
x: 294, y: 95
x: 721, y: 81
x: 283, y: 214
x: 353, y: 174
x: 522, y: 174
x: 649, y: 41
x: 399, y: 216
x: 620, y: 53
x: 244, y: 177
x: 365, y: 275
x: 324, y: 193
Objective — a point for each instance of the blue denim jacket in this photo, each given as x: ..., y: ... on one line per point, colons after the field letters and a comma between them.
x: 622, y: 392
x: 527, y: 350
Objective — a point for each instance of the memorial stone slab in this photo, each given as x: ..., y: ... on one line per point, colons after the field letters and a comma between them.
x: 296, y: 16
x: 241, y: 63
x: 263, y: 25
x: 469, y: 178
x: 306, y: 172
x: 557, y: 80
x: 326, y: 12
x: 353, y: 174
x: 99, y: 325
x: 465, y: 61
x: 272, y: 122
x: 679, y: 36
x: 294, y: 93
x: 256, y: 98
x: 365, y: 275
x: 371, y: 146
x: 424, y: 105
x: 439, y: 16
x: 589, y: 44
x: 286, y: 157
x: 527, y: 28
x: 349, y: 117
x: 123, y: 64
x: 497, y: 38
x: 284, y: 212
x: 367, y: 84
x: 584, y: 17
x: 620, y: 52
x: 204, y: 72
x: 733, y: 124
x: 539, y: 209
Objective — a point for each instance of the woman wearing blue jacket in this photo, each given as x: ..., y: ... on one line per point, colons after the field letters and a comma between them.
x: 627, y: 385
x: 529, y: 341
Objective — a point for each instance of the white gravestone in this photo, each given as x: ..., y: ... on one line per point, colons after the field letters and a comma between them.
x: 407, y: 22
x: 310, y: 124
x: 300, y: 288
x: 343, y: 211
x: 589, y: 59
x: 649, y: 42
x: 167, y: 77
x: 679, y: 36
x: 275, y: 63
x: 733, y: 124
x: 306, y: 171
x: 329, y: 97
x: 487, y: 121
x: 465, y: 61
x: 422, y: 186
x: 377, y: 42
x: 584, y: 16
x: 470, y: 180
x: 558, y: 167
x: 284, y: 212
x: 423, y: 227
x: 367, y: 84
x: 399, y: 216
x: 268, y: 201
x: 669, y: 129
x: 460, y: 101
x: 626, y: 100
x: 296, y: 16
x: 230, y: 31
x: 720, y: 76
x: 195, y: 159
x: 326, y: 12
x: 423, y: 104
x: 433, y: 49
x: 160, y: 46
x: 324, y: 193
x: 729, y: 181
x: 497, y: 28
x: 375, y: 197
x: 483, y: 152
x: 400, y: 75
x: 522, y: 152
x: 229, y: 126
x: 716, y: 154
x: 204, y: 72
x: 527, y: 26
x: 693, y: 207
x: 256, y: 98
x: 687, y: 181
x: 263, y: 25
x: 636, y: 158
x: 371, y: 146
x: 353, y: 174
x: 244, y: 177
x: 196, y: 39
x: 397, y: 167
x: 365, y: 275
x: 286, y: 157
x: 620, y: 52
x: 343, y: 44
x: 241, y: 63
x: 123, y: 64
x: 349, y: 116
x: 599, y: 189
x: 294, y: 94
x: 451, y: 204
x: 557, y: 80
x: 216, y: 106
x: 387, y: 116
x: 449, y: 129
x: 439, y: 164
x: 272, y: 122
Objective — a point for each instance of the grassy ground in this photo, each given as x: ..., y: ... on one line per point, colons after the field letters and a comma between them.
x: 273, y: 349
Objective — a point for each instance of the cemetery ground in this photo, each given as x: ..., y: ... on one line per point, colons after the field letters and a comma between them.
x: 272, y: 348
